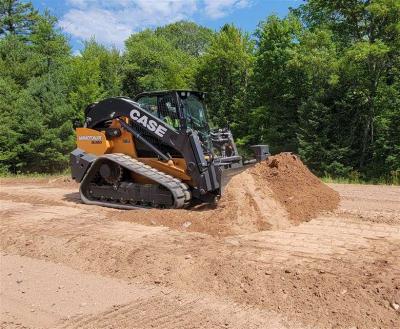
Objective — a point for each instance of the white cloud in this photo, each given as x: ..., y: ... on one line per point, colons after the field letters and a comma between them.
x: 98, y: 23
x: 112, y: 21
x: 221, y: 8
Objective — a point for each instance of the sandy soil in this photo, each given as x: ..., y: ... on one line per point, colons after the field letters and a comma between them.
x: 69, y: 265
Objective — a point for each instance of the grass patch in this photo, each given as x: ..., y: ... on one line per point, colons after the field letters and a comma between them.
x: 34, y: 175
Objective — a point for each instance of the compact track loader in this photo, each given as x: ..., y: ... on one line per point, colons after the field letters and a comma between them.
x: 156, y: 151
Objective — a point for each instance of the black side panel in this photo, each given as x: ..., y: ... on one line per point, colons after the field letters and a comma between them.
x: 80, y: 162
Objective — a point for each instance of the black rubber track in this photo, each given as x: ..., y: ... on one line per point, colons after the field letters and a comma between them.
x: 179, y: 191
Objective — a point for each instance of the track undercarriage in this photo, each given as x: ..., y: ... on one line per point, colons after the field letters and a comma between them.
x: 109, y: 183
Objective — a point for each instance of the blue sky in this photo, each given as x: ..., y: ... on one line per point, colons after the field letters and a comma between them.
x: 112, y: 21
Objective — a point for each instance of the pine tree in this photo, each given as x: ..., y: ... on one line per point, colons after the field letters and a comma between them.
x: 17, y: 17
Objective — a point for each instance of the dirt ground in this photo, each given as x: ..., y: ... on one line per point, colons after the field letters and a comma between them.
x: 69, y: 265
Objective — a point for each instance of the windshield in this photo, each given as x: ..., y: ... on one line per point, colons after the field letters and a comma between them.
x: 195, y: 113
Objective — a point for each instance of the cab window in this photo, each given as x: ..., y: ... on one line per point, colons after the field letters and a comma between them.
x: 149, y: 103
x: 168, y: 110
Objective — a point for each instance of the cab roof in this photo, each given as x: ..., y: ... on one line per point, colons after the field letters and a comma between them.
x: 171, y: 91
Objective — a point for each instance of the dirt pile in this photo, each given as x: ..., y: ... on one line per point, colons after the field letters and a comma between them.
x: 249, y: 205
x: 272, y: 195
x: 300, y: 192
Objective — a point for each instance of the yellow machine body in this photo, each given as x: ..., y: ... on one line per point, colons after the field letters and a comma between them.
x: 95, y: 142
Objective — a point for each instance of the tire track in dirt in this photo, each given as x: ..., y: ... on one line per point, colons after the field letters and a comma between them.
x: 337, y: 270
x: 179, y: 312
x: 41, y: 294
x: 322, y: 238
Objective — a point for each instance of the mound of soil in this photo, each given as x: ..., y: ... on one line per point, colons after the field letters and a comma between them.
x: 301, y: 193
x: 249, y: 205
x: 272, y: 195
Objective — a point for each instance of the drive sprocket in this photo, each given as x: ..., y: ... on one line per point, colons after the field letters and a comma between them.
x: 111, y: 172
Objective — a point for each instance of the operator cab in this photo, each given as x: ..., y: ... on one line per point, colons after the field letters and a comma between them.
x: 185, y: 109
x: 180, y: 109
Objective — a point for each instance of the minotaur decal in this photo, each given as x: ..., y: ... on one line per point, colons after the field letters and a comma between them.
x: 90, y: 138
x: 151, y: 125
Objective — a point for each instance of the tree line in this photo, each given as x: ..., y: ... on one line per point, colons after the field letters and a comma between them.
x: 323, y: 82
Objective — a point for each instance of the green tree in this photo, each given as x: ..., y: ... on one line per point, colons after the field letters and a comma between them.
x: 224, y: 72
x: 318, y: 135
x: 48, y: 44
x: 9, y: 93
x: 276, y: 89
x: 16, y: 60
x: 44, y: 126
x: 321, y: 87
x: 187, y: 36
x: 153, y: 62
x: 367, y: 37
x: 17, y: 17
x: 36, y: 117
x: 93, y: 75
x: 386, y: 156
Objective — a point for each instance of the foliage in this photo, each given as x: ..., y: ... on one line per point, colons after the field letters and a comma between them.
x: 93, y: 75
x: 323, y: 82
x: 224, y: 72
x: 152, y: 62
x: 362, y: 105
x: 16, y: 17
x: 325, y: 86
x: 276, y: 89
x: 36, y: 132
x: 187, y: 36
